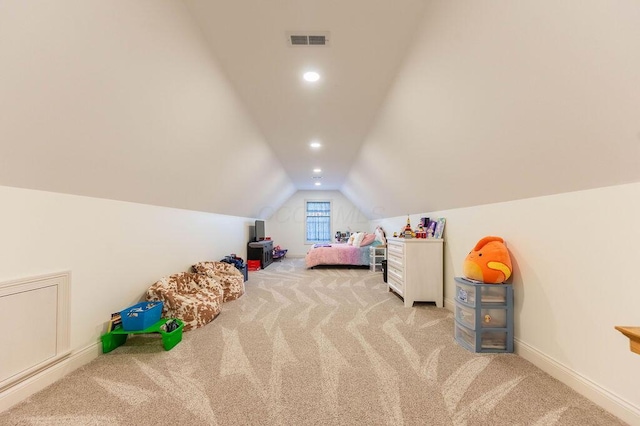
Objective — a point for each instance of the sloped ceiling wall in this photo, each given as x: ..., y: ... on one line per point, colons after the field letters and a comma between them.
x: 501, y: 100
x: 123, y: 100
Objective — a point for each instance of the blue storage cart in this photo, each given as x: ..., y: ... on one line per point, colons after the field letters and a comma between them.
x: 484, y: 316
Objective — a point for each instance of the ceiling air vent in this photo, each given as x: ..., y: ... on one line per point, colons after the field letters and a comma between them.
x: 305, y: 38
x: 299, y: 40
x: 317, y: 40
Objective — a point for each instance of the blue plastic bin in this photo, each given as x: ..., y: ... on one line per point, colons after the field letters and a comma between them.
x: 141, y: 315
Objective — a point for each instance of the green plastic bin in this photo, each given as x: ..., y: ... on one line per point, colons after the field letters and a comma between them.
x: 117, y: 337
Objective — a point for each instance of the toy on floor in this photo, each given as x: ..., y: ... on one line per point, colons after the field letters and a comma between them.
x: 489, y: 261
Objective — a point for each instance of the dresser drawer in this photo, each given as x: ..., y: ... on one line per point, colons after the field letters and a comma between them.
x: 395, y: 248
x: 395, y: 284
x: 466, y: 293
x: 394, y: 262
x: 466, y: 338
x: 489, y: 318
x: 394, y: 271
x: 489, y: 340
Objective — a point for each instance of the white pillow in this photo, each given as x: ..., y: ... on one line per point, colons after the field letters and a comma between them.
x: 351, y: 238
x: 358, y: 239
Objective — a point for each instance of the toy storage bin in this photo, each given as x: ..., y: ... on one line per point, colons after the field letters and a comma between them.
x: 465, y: 337
x: 117, y: 337
x: 494, y: 340
x: 253, y: 265
x: 495, y: 318
x: 483, y: 340
x: 142, y: 315
x: 466, y: 292
x: 484, y: 316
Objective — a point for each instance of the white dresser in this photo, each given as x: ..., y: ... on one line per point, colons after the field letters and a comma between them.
x: 414, y: 269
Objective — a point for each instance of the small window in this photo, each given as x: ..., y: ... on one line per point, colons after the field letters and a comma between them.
x: 318, y: 222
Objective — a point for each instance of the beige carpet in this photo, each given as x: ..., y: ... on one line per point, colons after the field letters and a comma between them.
x: 317, y: 347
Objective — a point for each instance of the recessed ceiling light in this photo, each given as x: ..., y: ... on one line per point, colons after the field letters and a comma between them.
x: 311, y: 76
x: 315, y: 145
x: 318, y: 183
x: 317, y: 170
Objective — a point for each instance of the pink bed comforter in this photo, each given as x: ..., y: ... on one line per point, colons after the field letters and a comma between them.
x: 337, y: 254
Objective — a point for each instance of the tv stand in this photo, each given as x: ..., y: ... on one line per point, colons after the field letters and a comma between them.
x: 262, y: 251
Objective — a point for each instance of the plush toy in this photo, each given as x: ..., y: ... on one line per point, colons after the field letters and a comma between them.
x: 488, y: 262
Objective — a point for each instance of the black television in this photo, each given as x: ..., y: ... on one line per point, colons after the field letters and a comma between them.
x: 260, y: 235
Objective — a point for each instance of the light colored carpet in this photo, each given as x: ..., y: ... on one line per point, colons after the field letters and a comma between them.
x: 310, y: 347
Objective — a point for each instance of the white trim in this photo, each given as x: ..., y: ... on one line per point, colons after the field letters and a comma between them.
x: 450, y: 304
x: 29, y: 386
x: 589, y: 389
x: 61, y: 281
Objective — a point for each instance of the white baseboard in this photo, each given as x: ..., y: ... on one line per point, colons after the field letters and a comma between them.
x: 600, y: 396
x: 450, y: 304
x: 25, y: 388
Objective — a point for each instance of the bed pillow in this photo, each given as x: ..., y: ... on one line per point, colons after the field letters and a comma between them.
x: 368, y: 239
x: 351, y: 238
x: 357, y: 241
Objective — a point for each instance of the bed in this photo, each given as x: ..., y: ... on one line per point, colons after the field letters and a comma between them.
x: 353, y: 253
x: 337, y: 254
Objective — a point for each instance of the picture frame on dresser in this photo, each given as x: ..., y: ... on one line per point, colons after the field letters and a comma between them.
x: 440, y: 222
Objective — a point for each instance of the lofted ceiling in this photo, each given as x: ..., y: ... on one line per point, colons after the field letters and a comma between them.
x: 367, y: 41
x: 422, y: 105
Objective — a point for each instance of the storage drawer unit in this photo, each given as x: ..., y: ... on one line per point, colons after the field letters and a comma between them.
x: 414, y: 269
x: 485, y: 341
x: 376, y: 255
x: 488, y: 318
x: 484, y: 316
x: 466, y: 292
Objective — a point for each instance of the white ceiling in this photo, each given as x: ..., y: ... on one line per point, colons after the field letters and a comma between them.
x: 368, y: 41
x: 424, y: 105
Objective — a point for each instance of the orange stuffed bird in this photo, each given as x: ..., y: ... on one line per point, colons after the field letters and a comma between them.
x: 488, y: 262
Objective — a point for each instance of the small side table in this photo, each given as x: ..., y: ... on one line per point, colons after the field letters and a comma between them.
x: 376, y: 255
x: 117, y: 337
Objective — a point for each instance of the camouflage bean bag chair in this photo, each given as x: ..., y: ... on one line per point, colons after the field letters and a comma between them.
x: 193, y: 298
x: 231, y: 279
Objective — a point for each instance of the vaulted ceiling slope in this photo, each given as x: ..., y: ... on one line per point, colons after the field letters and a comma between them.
x: 367, y: 40
x: 422, y: 105
x: 124, y: 100
x: 502, y: 100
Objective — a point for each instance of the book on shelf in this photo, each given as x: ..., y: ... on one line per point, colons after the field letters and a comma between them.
x: 440, y: 222
x: 431, y: 229
x: 114, y: 322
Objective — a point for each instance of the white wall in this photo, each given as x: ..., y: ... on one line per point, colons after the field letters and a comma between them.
x: 575, y: 277
x: 123, y: 100
x: 115, y: 250
x: 286, y: 225
x: 501, y: 100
